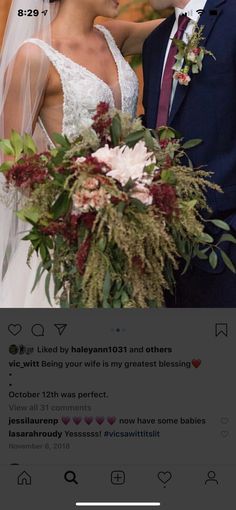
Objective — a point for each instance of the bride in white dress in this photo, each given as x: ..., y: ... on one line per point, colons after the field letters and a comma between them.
x: 60, y: 69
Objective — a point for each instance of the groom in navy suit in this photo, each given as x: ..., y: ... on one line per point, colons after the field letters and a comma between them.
x: 205, y: 109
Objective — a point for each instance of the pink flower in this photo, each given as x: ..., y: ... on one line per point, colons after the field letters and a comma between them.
x: 91, y: 183
x: 142, y: 193
x: 85, y: 200
x: 183, y: 78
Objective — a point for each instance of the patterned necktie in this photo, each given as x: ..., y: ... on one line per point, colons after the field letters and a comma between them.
x: 167, y: 81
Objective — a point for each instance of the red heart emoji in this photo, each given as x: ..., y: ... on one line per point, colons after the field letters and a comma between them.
x: 65, y: 420
x: 88, y: 420
x: 99, y: 419
x: 111, y: 419
x: 77, y: 420
x: 196, y: 363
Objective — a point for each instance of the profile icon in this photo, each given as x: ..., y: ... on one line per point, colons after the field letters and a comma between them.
x: 13, y: 349
x: 211, y: 478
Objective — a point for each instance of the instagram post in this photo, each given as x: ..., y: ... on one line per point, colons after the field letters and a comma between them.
x: 118, y: 253
x: 120, y: 411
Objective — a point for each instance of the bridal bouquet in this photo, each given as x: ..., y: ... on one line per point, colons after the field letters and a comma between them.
x: 112, y: 213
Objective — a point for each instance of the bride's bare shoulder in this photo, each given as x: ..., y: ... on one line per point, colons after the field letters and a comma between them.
x: 29, y: 53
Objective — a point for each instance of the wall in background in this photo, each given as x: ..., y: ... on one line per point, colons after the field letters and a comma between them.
x: 4, y: 8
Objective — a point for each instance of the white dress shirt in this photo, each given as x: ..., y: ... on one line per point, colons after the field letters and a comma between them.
x: 191, y: 11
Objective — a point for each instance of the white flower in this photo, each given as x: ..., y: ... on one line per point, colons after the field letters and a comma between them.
x: 191, y: 56
x: 125, y: 162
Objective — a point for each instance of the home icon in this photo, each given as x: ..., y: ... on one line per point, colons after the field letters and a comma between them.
x: 24, y: 479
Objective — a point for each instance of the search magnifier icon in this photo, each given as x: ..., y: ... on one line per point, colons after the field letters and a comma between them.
x: 70, y: 477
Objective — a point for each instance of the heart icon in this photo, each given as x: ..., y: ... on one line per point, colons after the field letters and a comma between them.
x: 77, y: 420
x: 14, y: 329
x: 224, y: 420
x: 99, y: 419
x: 196, y: 363
x: 224, y: 433
x: 164, y: 476
x: 65, y: 420
x: 111, y: 419
x: 88, y: 420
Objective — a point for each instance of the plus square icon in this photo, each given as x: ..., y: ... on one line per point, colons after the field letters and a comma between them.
x: 117, y: 477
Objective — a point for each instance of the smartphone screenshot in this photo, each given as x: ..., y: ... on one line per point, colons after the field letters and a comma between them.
x: 117, y: 254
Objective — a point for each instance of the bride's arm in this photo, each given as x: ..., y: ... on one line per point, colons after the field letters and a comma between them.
x: 25, y: 91
x: 130, y: 36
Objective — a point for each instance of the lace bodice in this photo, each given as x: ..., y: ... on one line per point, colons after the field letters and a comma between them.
x: 83, y: 90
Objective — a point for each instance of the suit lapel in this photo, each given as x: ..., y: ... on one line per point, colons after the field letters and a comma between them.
x: 208, y: 21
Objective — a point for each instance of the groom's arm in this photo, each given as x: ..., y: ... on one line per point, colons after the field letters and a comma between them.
x: 130, y: 36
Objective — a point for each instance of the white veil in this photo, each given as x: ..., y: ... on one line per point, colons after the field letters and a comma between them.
x: 23, y: 75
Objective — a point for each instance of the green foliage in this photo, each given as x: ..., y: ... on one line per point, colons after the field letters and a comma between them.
x: 128, y: 255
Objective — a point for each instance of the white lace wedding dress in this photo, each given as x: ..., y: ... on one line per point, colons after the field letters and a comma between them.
x: 82, y: 91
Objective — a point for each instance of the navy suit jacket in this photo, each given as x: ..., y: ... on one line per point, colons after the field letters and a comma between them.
x: 206, y: 108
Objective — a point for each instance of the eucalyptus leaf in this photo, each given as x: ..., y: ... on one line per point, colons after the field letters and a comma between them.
x: 227, y: 237
x: 213, y: 259
x: 221, y: 224
x: 206, y: 238
x: 39, y: 272
x: 227, y: 261
x: 200, y: 254
x: 47, y: 287
x: 191, y: 143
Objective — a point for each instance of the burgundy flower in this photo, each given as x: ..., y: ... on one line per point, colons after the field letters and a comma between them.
x: 115, y: 200
x: 164, y: 198
x: 96, y: 167
x: 88, y: 219
x: 54, y: 228
x: 67, y: 228
x: 102, y: 121
x: 30, y: 171
x: 164, y: 143
x: 82, y: 254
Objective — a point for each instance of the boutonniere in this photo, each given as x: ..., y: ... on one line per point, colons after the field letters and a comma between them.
x: 190, y: 56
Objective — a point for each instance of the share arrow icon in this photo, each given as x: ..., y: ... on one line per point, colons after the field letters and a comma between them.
x: 60, y: 328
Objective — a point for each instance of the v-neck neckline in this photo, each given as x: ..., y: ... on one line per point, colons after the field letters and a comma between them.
x: 94, y: 75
